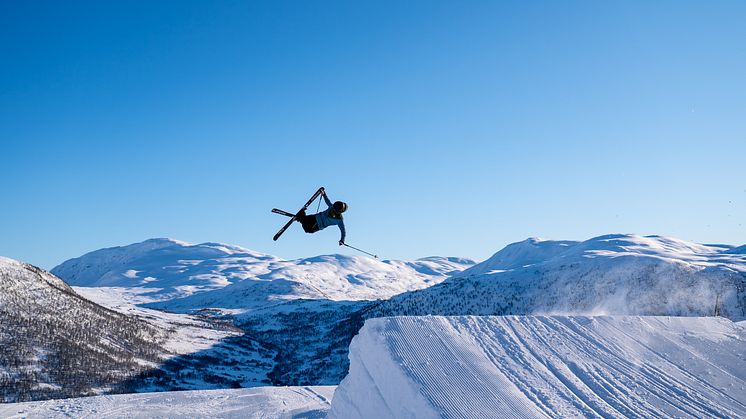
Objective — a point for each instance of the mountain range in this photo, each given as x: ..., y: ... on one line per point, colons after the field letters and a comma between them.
x: 221, y: 315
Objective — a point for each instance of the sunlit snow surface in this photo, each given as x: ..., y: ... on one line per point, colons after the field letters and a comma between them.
x: 257, y: 402
x: 486, y: 367
x: 179, y: 276
x: 189, y: 333
x: 617, y: 274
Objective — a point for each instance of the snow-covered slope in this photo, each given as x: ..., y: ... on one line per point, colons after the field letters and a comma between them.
x: 198, y: 352
x: 55, y: 343
x: 614, y: 274
x: 528, y: 252
x: 258, y: 402
x: 298, y: 315
x: 738, y: 250
x: 330, y: 277
x: 172, y: 269
x: 456, y: 367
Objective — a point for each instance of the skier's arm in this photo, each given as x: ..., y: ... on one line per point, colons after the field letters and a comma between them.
x: 326, y: 199
x: 344, y: 233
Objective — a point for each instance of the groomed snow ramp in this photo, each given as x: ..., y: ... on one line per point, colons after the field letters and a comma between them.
x: 545, y: 366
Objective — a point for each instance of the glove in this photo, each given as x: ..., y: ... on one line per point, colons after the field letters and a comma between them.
x: 341, y: 242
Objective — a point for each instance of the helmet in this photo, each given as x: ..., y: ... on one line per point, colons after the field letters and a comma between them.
x: 339, y: 207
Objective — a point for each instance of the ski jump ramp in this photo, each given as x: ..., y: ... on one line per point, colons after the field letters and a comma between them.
x: 545, y: 366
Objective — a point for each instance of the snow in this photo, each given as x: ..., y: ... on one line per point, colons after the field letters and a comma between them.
x: 298, y: 317
x: 190, y: 337
x: 525, y: 253
x: 46, y: 328
x: 614, y: 274
x: 170, y: 268
x: 539, y: 366
x: 738, y: 250
x: 190, y: 334
x: 328, y: 277
x: 183, y: 277
x: 17, y: 274
x: 536, y: 251
x: 257, y: 402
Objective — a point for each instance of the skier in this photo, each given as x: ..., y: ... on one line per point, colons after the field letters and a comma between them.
x: 330, y: 216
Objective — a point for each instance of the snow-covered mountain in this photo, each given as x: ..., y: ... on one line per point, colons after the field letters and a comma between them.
x: 298, y: 312
x: 613, y: 274
x: 303, y: 313
x: 55, y: 343
x: 329, y: 277
x: 171, y: 269
x: 168, y: 268
x: 528, y: 252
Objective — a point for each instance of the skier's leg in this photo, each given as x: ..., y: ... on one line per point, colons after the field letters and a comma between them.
x: 308, y: 222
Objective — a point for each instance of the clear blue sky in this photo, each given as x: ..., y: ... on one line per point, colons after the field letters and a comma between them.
x: 451, y: 128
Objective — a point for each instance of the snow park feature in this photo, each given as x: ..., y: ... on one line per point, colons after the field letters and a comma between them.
x: 540, y: 366
x: 484, y: 367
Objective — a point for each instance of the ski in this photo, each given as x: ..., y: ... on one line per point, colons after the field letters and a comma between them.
x: 294, y: 217
x: 281, y: 212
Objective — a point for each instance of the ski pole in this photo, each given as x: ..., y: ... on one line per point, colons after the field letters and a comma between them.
x: 360, y: 250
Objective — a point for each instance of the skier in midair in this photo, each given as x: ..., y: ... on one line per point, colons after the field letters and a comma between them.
x: 330, y: 216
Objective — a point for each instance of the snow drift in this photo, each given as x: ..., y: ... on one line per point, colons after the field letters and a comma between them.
x: 453, y: 367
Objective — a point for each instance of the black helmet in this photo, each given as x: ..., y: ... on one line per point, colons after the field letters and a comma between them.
x: 339, y: 207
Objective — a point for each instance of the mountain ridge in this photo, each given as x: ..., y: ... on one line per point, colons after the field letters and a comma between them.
x: 175, y: 270
x: 306, y: 311
x: 620, y: 274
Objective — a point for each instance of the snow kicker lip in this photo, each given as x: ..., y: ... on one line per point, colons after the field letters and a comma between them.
x: 540, y: 366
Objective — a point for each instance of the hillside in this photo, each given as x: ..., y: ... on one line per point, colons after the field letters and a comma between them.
x: 295, y: 314
x: 298, y: 317
x: 328, y: 277
x: 535, y: 366
x: 168, y: 270
x: 614, y: 274
x: 55, y: 343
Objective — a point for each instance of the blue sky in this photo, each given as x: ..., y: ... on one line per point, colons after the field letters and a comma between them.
x: 450, y: 128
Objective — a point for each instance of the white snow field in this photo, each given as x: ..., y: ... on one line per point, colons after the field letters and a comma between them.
x: 223, y: 275
x: 257, y: 402
x: 542, y: 366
